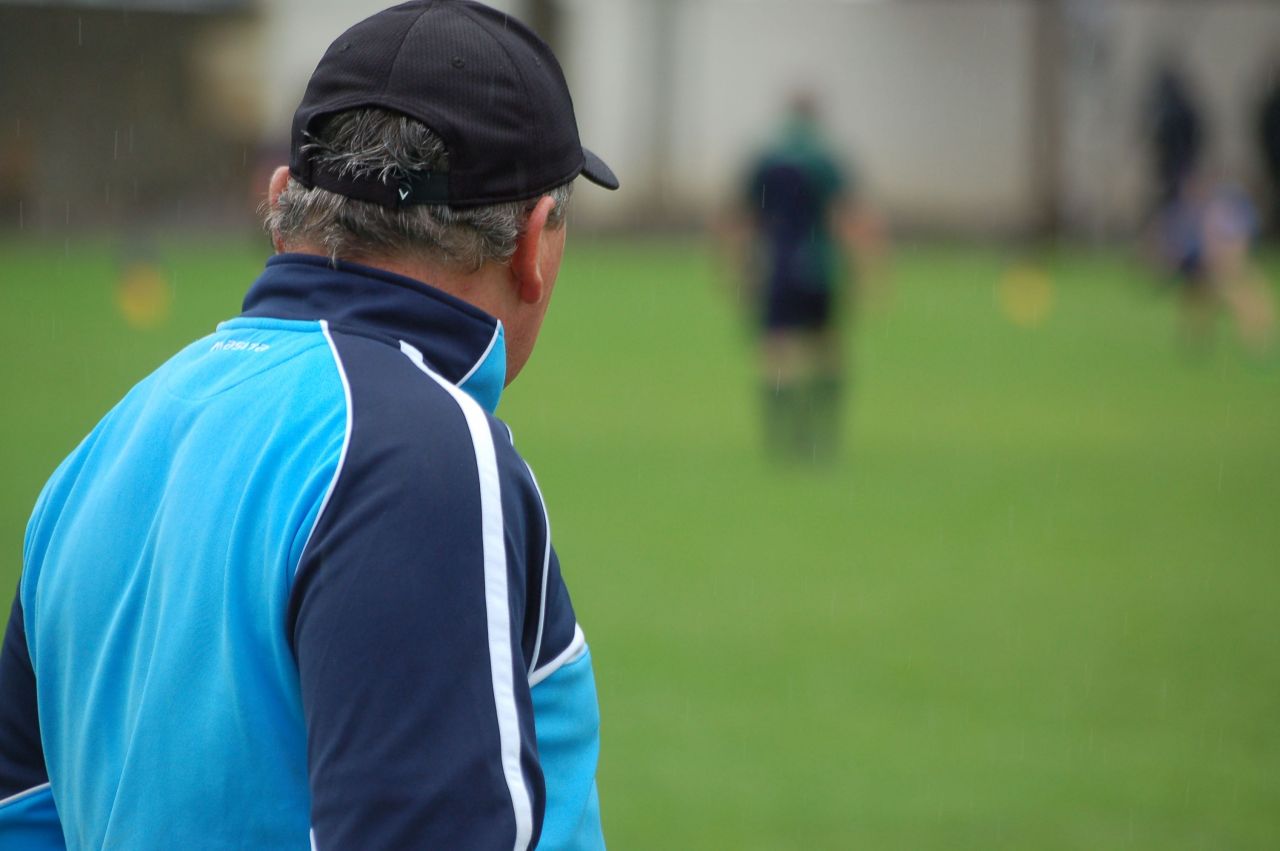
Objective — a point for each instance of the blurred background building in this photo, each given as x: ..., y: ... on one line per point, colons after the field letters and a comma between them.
x: 977, y: 117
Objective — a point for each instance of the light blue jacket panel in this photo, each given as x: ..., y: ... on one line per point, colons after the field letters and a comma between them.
x: 29, y: 822
x: 155, y: 590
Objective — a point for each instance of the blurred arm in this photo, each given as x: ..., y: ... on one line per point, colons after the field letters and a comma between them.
x: 734, y: 231
x: 865, y: 237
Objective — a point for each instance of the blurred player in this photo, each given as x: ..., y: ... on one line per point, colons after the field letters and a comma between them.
x: 1205, y: 240
x: 797, y: 212
x: 1176, y: 133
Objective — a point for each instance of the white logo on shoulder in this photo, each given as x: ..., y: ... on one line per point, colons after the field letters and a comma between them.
x: 238, y: 346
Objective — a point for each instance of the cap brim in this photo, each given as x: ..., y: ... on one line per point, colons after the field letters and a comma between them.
x: 597, y: 172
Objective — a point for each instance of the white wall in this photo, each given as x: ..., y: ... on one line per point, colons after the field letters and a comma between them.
x: 921, y: 93
x: 931, y: 99
x: 608, y: 58
x: 927, y: 99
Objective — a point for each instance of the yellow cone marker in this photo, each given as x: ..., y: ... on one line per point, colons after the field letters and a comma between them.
x: 1025, y: 295
x: 144, y: 296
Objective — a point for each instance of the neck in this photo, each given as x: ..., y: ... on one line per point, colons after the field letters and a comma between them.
x: 484, y: 288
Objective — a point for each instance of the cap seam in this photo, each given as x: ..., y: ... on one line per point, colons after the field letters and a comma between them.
x: 467, y: 12
x: 404, y: 36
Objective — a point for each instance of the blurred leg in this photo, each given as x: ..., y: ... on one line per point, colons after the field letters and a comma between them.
x: 783, y: 393
x: 1244, y: 290
x: 1199, y: 309
x: 827, y: 392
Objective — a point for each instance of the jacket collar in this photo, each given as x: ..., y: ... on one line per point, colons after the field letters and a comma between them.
x: 459, y: 341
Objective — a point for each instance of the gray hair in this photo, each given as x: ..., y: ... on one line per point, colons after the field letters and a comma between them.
x: 389, y: 145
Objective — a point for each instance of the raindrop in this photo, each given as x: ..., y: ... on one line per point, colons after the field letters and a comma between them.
x: 79, y: 32
x: 21, y: 217
x: 115, y: 146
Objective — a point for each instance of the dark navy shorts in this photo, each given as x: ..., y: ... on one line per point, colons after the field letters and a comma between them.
x: 796, y: 308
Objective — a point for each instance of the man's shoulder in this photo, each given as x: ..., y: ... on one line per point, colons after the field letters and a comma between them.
x: 386, y: 386
x: 413, y: 415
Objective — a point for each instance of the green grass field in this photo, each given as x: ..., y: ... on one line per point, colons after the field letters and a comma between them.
x: 1036, y: 605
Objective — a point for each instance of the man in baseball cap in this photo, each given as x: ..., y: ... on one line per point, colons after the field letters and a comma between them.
x: 298, y: 590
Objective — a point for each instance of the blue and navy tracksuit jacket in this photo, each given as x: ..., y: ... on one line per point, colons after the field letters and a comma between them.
x: 298, y: 590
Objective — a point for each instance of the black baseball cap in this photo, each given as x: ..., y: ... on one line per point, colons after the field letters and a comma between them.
x: 479, y: 79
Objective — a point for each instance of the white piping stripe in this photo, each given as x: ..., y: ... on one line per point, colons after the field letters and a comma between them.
x: 493, y: 341
x: 572, y: 653
x: 346, y: 437
x: 546, y: 569
x: 24, y: 794
x: 497, y: 609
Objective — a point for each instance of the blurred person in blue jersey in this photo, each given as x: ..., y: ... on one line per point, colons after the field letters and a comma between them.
x: 791, y: 232
x: 297, y: 590
x: 1204, y: 241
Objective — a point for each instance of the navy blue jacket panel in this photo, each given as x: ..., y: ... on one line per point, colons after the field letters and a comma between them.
x: 391, y: 611
x: 22, y: 758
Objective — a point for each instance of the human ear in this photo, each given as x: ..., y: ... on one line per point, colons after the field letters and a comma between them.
x: 279, y: 180
x: 526, y: 263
